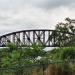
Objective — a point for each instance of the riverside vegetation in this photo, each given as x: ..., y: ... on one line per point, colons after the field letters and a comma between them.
x: 35, y: 60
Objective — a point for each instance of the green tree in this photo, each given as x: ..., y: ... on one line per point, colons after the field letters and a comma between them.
x: 14, y: 56
x: 34, y: 51
x: 66, y: 26
x: 64, y: 53
x: 65, y: 33
x: 19, y: 57
x: 65, y: 59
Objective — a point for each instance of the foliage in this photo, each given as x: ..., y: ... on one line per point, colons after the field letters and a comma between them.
x: 12, y: 46
x: 64, y: 35
x: 34, y: 51
x: 14, y: 56
x: 64, y: 59
x: 66, y: 26
x: 64, y: 53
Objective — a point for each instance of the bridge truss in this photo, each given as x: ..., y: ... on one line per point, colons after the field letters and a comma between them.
x: 46, y: 38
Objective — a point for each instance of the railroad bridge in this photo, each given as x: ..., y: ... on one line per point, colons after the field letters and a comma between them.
x: 47, y: 38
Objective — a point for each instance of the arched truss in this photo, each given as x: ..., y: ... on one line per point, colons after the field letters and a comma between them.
x: 46, y: 38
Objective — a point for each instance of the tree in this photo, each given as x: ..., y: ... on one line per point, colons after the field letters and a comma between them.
x: 34, y: 51
x: 65, y: 53
x: 64, y: 60
x: 65, y: 33
x: 66, y: 26
x: 17, y: 58
x: 20, y: 56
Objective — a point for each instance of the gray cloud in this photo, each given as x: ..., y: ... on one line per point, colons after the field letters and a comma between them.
x: 47, y: 4
x: 26, y: 14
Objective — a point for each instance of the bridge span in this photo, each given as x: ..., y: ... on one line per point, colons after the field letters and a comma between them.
x: 46, y: 38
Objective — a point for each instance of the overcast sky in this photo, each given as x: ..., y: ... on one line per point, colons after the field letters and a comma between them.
x: 33, y: 14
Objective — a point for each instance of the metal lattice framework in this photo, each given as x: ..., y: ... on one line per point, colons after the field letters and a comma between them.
x: 47, y: 38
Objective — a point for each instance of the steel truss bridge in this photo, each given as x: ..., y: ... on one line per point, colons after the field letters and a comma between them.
x: 46, y: 38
